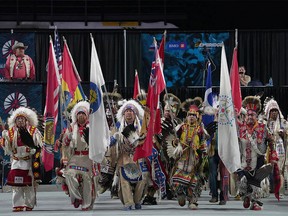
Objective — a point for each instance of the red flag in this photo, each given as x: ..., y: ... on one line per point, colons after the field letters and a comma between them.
x: 156, y: 86
x: 136, y: 86
x: 162, y: 48
x: 51, y: 109
x: 235, y: 82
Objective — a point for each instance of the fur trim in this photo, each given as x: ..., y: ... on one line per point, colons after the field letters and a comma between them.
x: 83, y: 106
x: 197, y: 101
x: 252, y: 103
x: 29, y: 114
x: 136, y: 107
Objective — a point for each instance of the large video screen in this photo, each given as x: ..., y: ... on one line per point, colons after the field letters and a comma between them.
x: 186, y: 57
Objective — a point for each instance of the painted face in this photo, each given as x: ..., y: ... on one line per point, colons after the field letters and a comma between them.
x: 251, y: 117
x: 191, y: 118
x: 81, y: 118
x: 20, y: 122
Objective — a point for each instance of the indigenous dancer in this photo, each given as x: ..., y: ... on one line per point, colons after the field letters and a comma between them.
x: 254, y: 139
x: 128, y: 172
x: 108, y: 164
x: 159, y: 164
x: 189, y: 152
x: 23, y: 141
x: 80, y: 171
x: 278, y: 127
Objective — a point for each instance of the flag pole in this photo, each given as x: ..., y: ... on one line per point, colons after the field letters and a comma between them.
x: 105, y: 90
x: 60, y: 93
x: 236, y: 37
x: 166, y: 92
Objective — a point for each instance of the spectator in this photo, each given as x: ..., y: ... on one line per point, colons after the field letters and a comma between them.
x: 244, y: 79
x: 18, y: 65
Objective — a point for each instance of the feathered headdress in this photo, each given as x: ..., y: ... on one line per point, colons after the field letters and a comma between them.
x: 114, y: 97
x: 142, y: 97
x: 29, y: 114
x: 173, y: 101
x: 82, y: 106
x: 197, y: 101
x: 252, y: 103
x: 133, y: 105
x: 270, y: 104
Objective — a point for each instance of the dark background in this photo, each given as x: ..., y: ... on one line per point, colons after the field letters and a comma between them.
x: 185, y: 14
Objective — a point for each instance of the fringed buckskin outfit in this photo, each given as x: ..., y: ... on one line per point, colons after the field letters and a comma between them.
x: 25, y: 158
x: 80, y: 171
x: 129, y: 172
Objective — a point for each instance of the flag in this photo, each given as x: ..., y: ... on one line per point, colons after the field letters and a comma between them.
x: 235, y: 82
x: 136, y: 85
x: 99, y: 138
x: 228, y: 147
x: 58, y: 52
x: 51, y: 109
x: 156, y: 86
x: 71, y: 89
x: 208, y: 98
x: 162, y: 48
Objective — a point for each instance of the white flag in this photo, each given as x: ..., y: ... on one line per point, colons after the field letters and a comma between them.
x: 228, y: 147
x: 99, y: 130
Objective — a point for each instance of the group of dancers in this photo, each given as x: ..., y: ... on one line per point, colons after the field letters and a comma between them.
x: 181, y: 164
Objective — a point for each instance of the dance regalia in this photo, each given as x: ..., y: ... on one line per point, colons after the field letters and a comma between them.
x: 186, y: 175
x: 253, y: 146
x: 80, y: 172
x: 24, y: 175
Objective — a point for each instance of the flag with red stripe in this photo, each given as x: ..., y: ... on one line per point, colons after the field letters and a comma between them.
x: 51, y: 109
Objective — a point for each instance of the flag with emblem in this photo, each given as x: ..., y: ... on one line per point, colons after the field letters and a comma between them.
x: 208, y: 117
x: 51, y: 108
x: 99, y: 140
x: 71, y: 89
x: 228, y: 147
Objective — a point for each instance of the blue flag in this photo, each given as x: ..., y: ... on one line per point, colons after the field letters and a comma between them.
x: 208, y: 98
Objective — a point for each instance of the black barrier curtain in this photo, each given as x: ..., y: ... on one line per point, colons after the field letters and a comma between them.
x: 263, y: 53
x: 110, y: 49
